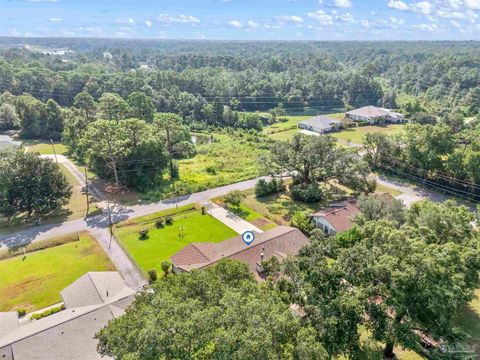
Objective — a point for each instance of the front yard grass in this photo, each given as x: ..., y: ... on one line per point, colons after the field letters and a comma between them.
x: 34, y: 281
x: 44, y: 147
x: 189, y: 225
x: 356, y: 134
x: 386, y: 189
x: 250, y: 215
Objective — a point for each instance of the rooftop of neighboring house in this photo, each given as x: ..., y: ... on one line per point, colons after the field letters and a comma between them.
x: 68, y: 334
x: 6, y: 141
x: 321, y: 121
x: 279, y: 242
x: 370, y: 112
x: 339, y: 215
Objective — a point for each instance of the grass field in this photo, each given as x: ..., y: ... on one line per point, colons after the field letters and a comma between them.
x: 470, y: 323
x: 228, y: 159
x: 44, y: 147
x: 35, y: 281
x: 386, y: 189
x: 279, y: 208
x: 355, y: 135
x: 161, y: 243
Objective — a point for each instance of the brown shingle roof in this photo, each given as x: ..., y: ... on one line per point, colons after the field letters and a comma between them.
x: 280, y: 241
x: 340, y: 216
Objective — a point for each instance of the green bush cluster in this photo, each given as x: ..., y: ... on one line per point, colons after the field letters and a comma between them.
x: 47, y: 312
x: 265, y: 188
x: 143, y: 233
x: 21, y: 312
x: 308, y: 193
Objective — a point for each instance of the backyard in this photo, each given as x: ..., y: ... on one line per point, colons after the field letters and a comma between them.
x: 34, y: 281
x: 189, y: 225
x: 353, y: 135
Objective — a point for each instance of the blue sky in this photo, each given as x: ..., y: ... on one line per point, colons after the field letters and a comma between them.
x: 244, y: 19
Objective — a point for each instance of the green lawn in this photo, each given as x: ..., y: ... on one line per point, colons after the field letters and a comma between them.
x: 470, y: 323
x: 250, y: 215
x: 44, y: 147
x: 292, y: 121
x: 188, y: 226
x: 356, y: 134
x: 35, y: 281
x: 279, y: 208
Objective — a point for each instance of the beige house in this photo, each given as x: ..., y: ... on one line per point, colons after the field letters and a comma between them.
x: 374, y: 115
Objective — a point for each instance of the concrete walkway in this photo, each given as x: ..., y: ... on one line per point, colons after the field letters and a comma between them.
x: 234, y: 222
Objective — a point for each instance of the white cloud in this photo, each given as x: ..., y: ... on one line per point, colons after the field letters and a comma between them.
x: 455, y: 23
x: 131, y: 21
x: 365, y: 24
x: 342, y: 3
x: 270, y: 27
x: 181, y: 19
x: 235, y: 24
x: 426, y: 27
x: 346, y: 18
x: 55, y: 19
x: 290, y: 18
x: 148, y: 23
x: 473, y: 4
x: 397, y: 4
x: 252, y: 24
x: 423, y: 7
x: 322, y: 17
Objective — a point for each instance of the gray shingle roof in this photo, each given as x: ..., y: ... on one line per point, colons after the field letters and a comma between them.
x: 69, y: 334
x: 321, y: 121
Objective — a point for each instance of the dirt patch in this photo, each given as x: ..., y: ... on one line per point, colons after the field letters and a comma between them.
x: 16, y: 289
x: 260, y: 222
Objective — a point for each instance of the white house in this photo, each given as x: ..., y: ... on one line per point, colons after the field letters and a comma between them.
x: 375, y: 115
x: 320, y: 124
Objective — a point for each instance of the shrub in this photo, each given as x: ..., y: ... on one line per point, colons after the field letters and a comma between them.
x: 264, y: 187
x: 143, y: 233
x: 211, y: 170
x: 21, y: 312
x: 152, y: 275
x: 48, y: 312
x: 204, y: 210
x: 160, y: 223
x: 169, y: 220
x: 233, y: 198
x: 303, y: 222
x: 307, y: 192
x: 166, y: 267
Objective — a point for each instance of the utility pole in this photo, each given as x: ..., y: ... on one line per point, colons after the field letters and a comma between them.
x: 86, y: 191
x: 53, y: 145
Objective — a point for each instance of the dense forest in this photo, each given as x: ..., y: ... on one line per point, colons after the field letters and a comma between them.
x: 193, y: 78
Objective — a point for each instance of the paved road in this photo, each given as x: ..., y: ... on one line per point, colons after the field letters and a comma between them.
x: 234, y: 222
x: 77, y: 174
x: 98, y: 226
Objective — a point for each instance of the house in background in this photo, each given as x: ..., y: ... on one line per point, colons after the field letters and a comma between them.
x: 90, y: 303
x: 279, y: 242
x: 6, y: 142
x: 320, y: 124
x: 374, y: 115
x: 336, y: 218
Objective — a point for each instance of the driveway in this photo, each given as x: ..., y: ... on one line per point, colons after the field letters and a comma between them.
x: 234, y: 222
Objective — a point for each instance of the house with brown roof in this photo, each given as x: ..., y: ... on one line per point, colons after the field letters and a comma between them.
x: 374, y: 115
x: 279, y: 242
x: 336, y: 218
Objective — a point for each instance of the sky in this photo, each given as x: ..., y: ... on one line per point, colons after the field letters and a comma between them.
x: 244, y: 19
